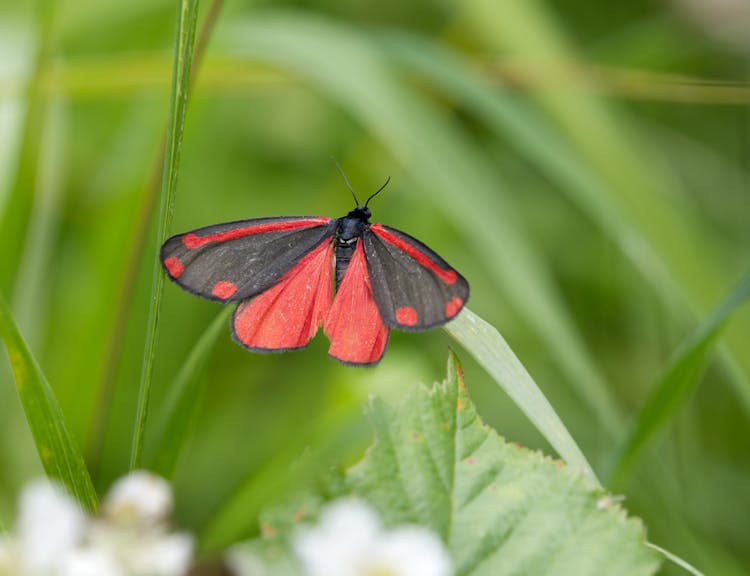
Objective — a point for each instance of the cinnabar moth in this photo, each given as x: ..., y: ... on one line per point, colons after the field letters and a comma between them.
x: 280, y: 271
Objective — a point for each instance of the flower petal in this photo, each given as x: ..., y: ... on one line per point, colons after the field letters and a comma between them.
x: 89, y: 562
x: 340, y: 543
x: 162, y: 556
x: 50, y: 525
x: 413, y: 551
x: 139, y: 498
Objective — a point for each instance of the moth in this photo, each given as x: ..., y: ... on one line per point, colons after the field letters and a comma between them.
x: 291, y: 274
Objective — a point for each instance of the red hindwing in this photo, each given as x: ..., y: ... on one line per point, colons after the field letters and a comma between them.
x: 353, y: 324
x: 288, y: 314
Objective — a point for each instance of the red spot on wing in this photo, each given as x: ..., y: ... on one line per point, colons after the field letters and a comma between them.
x: 353, y: 324
x: 192, y: 240
x: 224, y: 289
x: 453, y: 306
x: 289, y: 313
x: 174, y: 266
x: 447, y: 276
x: 406, y: 315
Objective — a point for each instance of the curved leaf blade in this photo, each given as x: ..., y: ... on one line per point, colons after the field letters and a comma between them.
x: 671, y: 247
x: 177, y: 416
x: 183, y: 59
x: 60, y: 456
x: 677, y: 381
x: 490, y: 349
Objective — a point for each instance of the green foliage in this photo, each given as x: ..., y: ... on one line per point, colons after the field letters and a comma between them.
x: 178, y: 414
x: 678, y: 379
x: 500, y: 508
x: 183, y: 60
x: 584, y: 167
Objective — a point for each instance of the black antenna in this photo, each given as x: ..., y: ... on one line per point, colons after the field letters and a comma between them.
x: 346, y: 181
x: 379, y: 191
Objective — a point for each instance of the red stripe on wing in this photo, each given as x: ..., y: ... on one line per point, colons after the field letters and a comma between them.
x: 447, y: 276
x: 288, y: 314
x: 192, y: 240
x: 353, y: 324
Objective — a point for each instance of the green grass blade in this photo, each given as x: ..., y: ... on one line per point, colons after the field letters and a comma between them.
x: 542, y: 144
x: 676, y: 560
x: 59, y: 455
x: 184, y: 43
x: 22, y: 54
x: 133, y: 256
x: 492, y: 352
x: 507, y: 116
x: 642, y: 190
x: 177, y: 416
x: 679, y: 379
x: 31, y: 284
x: 30, y: 54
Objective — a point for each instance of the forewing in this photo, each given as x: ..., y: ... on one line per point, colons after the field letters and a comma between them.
x: 414, y: 287
x: 289, y: 313
x: 353, y: 324
x: 238, y: 260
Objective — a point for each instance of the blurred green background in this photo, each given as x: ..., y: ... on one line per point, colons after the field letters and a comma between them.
x: 585, y: 165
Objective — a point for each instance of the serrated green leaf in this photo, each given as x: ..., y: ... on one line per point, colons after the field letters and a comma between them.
x: 501, y: 508
x: 60, y: 456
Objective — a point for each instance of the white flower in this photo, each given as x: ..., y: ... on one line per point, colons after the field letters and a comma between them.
x: 412, y: 551
x: 89, y: 562
x: 145, y: 552
x: 350, y: 541
x: 50, y: 525
x: 139, y: 498
x: 133, y: 531
x: 168, y: 555
x: 55, y: 538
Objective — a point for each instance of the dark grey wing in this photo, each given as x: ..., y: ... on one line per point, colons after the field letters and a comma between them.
x: 414, y: 287
x: 237, y: 260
